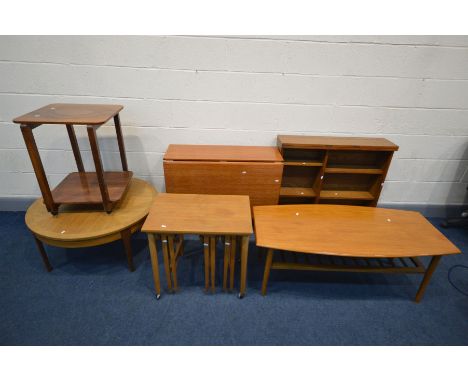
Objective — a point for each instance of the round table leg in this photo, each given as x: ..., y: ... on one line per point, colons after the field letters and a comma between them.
x: 43, y: 253
x: 126, y: 238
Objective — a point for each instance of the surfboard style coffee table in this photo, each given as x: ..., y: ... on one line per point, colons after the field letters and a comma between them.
x: 349, y: 238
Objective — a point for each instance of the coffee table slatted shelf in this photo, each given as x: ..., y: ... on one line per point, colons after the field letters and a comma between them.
x: 313, y: 262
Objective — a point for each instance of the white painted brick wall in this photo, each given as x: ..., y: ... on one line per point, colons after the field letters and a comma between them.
x: 245, y: 90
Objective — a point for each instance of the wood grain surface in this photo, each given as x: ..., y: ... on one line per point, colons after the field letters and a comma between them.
x: 76, y: 223
x: 199, y: 214
x: 348, y: 231
x: 69, y: 113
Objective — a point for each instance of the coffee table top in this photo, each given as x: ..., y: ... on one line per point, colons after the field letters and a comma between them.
x: 200, y: 214
x: 70, y: 113
x: 348, y: 231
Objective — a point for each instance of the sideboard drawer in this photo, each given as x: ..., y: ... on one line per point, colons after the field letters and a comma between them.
x: 260, y: 180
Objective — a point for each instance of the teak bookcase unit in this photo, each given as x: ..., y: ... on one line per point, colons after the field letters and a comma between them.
x: 224, y: 170
x: 81, y: 187
x: 334, y: 170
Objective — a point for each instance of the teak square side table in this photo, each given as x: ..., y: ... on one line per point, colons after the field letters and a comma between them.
x: 173, y: 215
x: 78, y: 187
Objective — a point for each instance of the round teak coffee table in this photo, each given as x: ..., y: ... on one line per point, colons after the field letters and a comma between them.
x: 86, y: 226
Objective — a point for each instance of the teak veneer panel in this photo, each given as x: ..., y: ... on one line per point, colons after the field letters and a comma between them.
x: 199, y: 214
x: 75, y: 114
x: 336, y: 143
x: 261, y: 181
x: 348, y: 231
x: 225, y: 170
x: 223, y: 153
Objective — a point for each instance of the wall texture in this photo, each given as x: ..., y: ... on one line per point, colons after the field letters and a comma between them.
x: 245, y: 90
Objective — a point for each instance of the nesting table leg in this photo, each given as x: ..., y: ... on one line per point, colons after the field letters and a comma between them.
x: 212, y: 261
x: 266, y: 273
x: 232, y: 262
x: 206, y: 253
x: 244, y: 258
x: 427, y: 277
x: 173, y: 260
x: 227, y: 253
x: 43, y: 253
x: 154, y: 264
x: 167, y: 266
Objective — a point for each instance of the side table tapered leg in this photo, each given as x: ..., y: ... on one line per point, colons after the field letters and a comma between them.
x: 154, y: 264
x: 120, y: 141
x: 43, y: 253
x: 75, y: 148
x: 38, y: 168
x: 99, y: 169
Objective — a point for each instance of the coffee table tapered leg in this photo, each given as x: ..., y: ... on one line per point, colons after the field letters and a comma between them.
x: 244, y: 258
x: 266, y: 274
x: 154, y: 264
x: 43, y: 253
x: 427, y: 277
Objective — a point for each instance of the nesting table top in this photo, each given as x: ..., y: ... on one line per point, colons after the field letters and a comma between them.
x: 199, y: 214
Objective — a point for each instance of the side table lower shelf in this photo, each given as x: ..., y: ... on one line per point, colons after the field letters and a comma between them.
x: 83, y: 187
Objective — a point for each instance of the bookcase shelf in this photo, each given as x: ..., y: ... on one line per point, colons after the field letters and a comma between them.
x: 297, y: 192
x: 351, y: 195
x: 352, y: 170
x: 303, y: 163
x: 341, y: 170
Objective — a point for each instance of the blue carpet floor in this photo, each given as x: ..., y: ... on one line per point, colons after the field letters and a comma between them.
x: 90, y: 298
